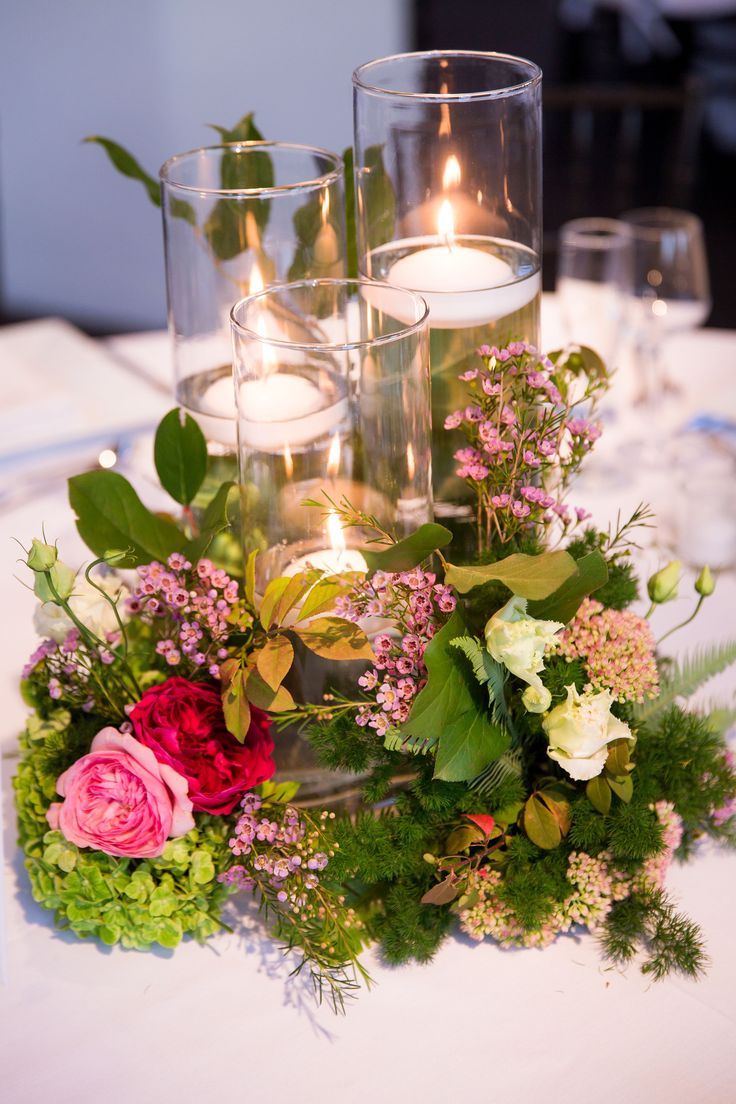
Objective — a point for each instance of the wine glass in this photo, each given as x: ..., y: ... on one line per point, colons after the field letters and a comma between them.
x: 594, y: 283
x: 671, y: 290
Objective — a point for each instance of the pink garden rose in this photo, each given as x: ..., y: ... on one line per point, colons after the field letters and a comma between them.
x: 183, y: 724
x: 119, y: 799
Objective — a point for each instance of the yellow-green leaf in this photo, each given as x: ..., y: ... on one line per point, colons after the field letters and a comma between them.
x: 321, y: 598
x: 618, y: 762
x: 298, y: 586
x: 235, y: 699
x: 528, y: 576
x: 274, y: 659
x: 250, y: 578
x: 274, y: 591
x: 261, y: 695
x: 335, y: 638
x: 622, y: 787
x: 540, y: 824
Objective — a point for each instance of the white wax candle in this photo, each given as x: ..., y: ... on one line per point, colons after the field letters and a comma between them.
x: 463, y: 286
x: 285, y: 409
x: 333, y: 561
x: 217, y: 414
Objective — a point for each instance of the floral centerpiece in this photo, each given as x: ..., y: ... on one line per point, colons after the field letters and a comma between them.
x: 526, y: 763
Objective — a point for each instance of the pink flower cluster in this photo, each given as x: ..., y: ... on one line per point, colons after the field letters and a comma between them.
x: 286, y: 853
x: 517, y: 427
x: 413, y: 605
x: 64, y: 669
x: 596, y: 884
x: 617, y: 648
x: 195, y: 603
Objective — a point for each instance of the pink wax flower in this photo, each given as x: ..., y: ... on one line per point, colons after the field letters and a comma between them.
x: 183, y: 724
x: 120, y: 800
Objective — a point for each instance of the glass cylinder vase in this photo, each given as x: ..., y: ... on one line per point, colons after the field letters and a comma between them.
x: 334, y: 426
x: 237, y: 218
x: 448, y: 192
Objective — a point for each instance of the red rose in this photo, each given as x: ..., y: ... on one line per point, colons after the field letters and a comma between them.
x: 183, y: 724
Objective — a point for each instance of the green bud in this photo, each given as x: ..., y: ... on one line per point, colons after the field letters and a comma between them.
x: 662, y: 587
x: 705, y: 584
x: 62, y: 578
x: 42, y: 557
x: 115, y: 556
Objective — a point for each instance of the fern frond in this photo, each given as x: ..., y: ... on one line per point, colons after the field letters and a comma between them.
x: 488, y: 672
x: 509, y: 765
x: 720, y: 719
x: 682, y: 680
x: 395, y: 740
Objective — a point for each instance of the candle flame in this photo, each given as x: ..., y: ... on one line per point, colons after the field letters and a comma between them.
x: 333, y: 456
x: 445, y: 126
x: 324, y: 204
x: 446, y: 223
x: 288, y: 462
x: 452, y: 174
x: 335, y: 533
x: 256, y: 280
x: 411, y: 466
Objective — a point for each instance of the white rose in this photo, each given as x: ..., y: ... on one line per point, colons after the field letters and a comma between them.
x: 94, y: 611
x: 519, y: 642
x: 579, y: 731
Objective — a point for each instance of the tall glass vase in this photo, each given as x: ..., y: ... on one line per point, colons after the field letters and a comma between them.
x: 333, y: 409
x: 448, y: 192
x: 238, y: 218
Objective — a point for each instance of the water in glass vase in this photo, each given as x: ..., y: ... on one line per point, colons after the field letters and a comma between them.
x: 480, y: 291
x: 209, y: 397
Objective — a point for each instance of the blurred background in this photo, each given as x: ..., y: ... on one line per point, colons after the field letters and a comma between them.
x: 640, y: 109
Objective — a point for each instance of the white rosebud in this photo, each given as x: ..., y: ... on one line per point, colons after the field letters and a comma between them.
x: 536, y: 699
x: 92, y: 609
x: 579, y: 731
x: 519, y: 642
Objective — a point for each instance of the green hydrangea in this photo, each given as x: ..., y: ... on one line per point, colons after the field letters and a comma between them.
x: 136, y: 902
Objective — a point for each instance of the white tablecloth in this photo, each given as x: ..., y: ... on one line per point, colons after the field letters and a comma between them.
x: 81, y: 1022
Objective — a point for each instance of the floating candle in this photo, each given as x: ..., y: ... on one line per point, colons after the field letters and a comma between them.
x: 284, y: 409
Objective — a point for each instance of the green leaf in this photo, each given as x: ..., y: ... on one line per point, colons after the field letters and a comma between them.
x: 110, y: 515
x: 412, y: 550
x: 245, y: 130
x: 274, y: 660
x: 598, y: 793
x: 235, y: 699
x: 299, y: 585
x: 203, y: 869
x: 237, y: 223
x: 451, y: 711
x: 280, y: 793
x: 563, y: 604
x: 530, y: 577
x: 250, y: 578
x: 350, y: 228
x: 377, y: 196
x: 180, y: 455
x: 335, y: 638
x: 126, y: 164
x: 215, y: 519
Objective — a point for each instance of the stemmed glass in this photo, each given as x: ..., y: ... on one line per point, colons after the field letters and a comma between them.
x: 671, y: 290
x: 594, y: 282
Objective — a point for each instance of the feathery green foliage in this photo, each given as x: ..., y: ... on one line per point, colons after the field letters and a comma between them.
x: 681, y: 680
x: 650, y: 923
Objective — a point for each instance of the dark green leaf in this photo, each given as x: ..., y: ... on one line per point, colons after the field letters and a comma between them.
x: 410, y: 551
x: 214, y: 520
x: 598, y: 793
x: 180, y: 455
x: 110, y: 515
x: 245, y: 130
x: 126, y: 164
x: 563, y: 604
x: 451, y: 711
x: 531, y: 577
